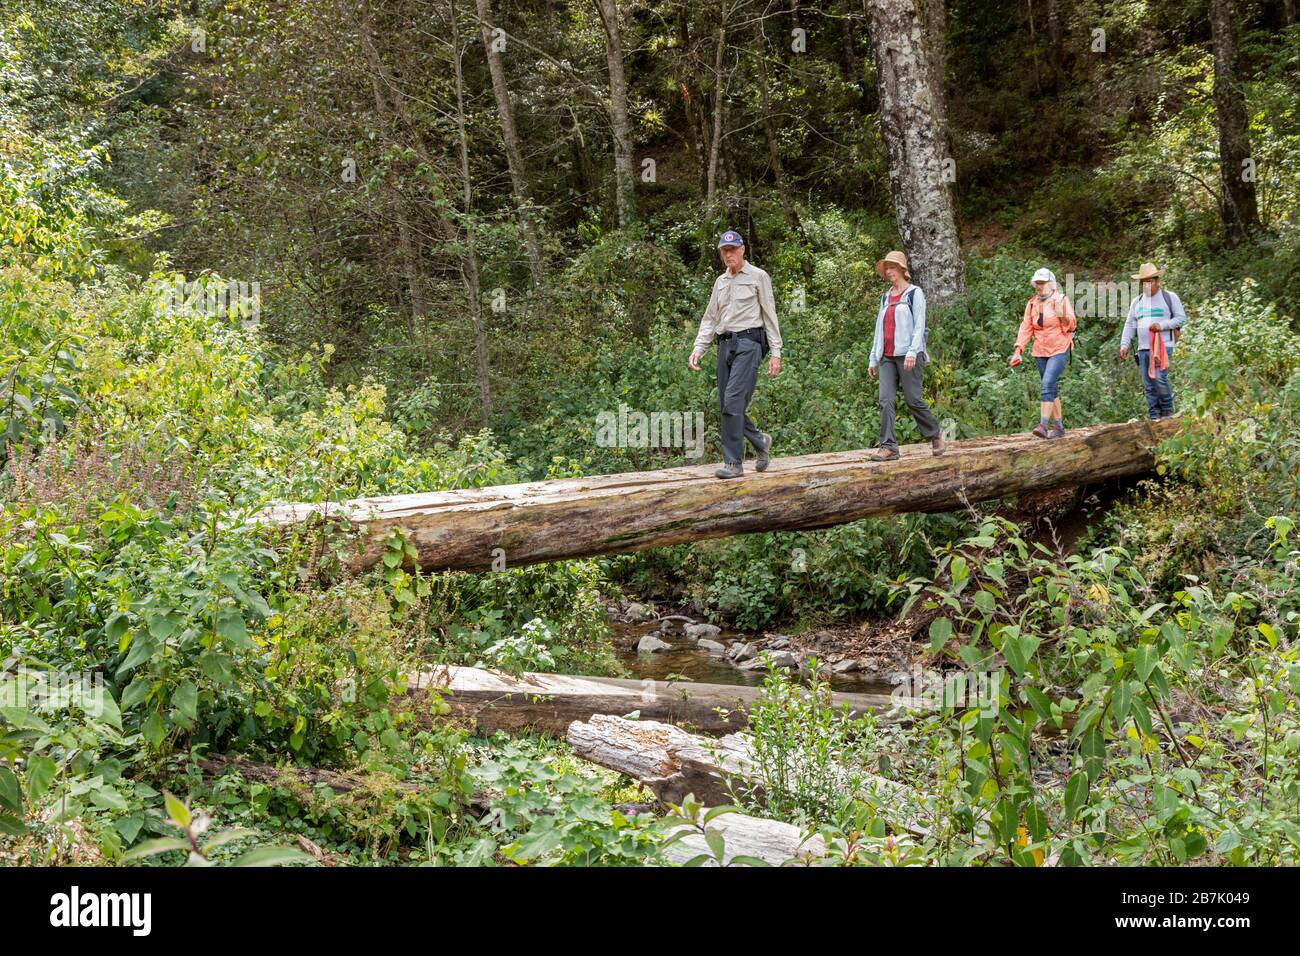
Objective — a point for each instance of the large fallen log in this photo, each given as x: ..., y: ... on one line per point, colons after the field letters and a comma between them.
x: 511, y: 525
x: 548, y: 703
x: 673, y: 763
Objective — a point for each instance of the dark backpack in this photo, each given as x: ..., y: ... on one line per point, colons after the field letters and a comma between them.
x: 1169, y: 305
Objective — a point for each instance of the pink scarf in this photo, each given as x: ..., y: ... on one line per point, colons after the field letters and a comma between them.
x: 1159, y: 358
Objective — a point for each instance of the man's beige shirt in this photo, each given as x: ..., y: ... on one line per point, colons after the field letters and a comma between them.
x: 739, y: 302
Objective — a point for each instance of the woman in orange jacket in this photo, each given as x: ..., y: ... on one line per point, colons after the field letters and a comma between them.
x: 1050, y: 321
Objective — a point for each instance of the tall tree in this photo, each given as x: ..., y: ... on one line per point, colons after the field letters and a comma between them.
x: 389, y: 107
x: 618, y: 113
x: 470, y: 269
x: 769, y: 132
x: 510, y: 138
x: 1239, y: 207
x: 936, y: 45
x: 914, y: 145
x: 689, y: 90
x: 719, y: 106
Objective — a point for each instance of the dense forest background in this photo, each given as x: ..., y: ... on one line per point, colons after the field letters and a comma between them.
x: 265, y: 251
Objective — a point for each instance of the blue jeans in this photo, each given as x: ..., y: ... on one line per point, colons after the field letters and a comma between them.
x: 1049, y: 370
x: 1160, y: 394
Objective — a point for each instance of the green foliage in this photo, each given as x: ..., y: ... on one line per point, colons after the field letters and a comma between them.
x: 195, y: 823
x: 552, y: 817
x: 808, y: 755
x: 1130, y: 729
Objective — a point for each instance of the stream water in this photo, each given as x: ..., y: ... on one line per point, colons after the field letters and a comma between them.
x: 687, y: 661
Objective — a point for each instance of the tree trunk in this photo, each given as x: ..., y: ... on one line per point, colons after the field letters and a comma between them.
x: 914, y: 144
x: 689, y: 91
x: 407, y: 245
x: 624, y: 181
x: 936, y: 46
x: 510, y: 137
x: 470, y: 270
x: 1055, y: 36
x: 616, y: 514
x: 719, y: 101
x: 769, y: 131
x: 1239, y: 208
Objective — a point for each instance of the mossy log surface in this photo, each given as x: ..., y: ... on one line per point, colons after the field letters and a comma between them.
x: 483, y: 529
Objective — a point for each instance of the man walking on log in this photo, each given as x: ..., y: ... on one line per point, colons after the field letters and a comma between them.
x: 741, y: 316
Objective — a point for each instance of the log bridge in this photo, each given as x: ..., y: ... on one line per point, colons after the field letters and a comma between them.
x: 479, y: 529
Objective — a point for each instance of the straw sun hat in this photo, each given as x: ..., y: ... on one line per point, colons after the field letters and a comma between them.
x: 896, y: 258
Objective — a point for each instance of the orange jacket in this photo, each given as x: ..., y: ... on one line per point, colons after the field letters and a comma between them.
x: 1057, y: 331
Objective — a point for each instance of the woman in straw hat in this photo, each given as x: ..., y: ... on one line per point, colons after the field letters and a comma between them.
x: 1152, y: 318
x: 1050, y: 321
x: 898, y: 356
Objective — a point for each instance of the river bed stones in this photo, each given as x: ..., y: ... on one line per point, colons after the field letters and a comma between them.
x: 701, y: 631
x: 651, y: 643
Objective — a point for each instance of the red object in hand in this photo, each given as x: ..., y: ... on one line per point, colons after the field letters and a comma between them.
x: 1016, y: 360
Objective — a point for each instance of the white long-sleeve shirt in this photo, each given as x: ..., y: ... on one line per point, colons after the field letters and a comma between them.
x: 1146, y: 309
x: 739, y: 302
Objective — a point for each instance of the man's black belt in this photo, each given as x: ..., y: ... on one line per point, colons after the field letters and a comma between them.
x: 755, y: 333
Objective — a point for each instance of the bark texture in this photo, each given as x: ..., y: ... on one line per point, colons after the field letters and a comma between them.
x: 916, y: 149
x: 1239, y: 207
x: 620, y: 122
x: 615, y: 514
x: 510, y: 139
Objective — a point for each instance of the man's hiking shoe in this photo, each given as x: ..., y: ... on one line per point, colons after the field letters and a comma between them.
x: 729, y: 471
x: 882, y: 454
x: 1040, y: 431
x: 1056, y: 432
x: 937, y: 445
x: 763, y: 458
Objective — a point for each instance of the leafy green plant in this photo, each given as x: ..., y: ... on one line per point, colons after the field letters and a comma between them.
x: 809, y: 756
x: 195, y: 824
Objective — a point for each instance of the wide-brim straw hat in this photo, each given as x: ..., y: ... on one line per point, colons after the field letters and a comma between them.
x: 896, y: 258
x: 1148, y: 270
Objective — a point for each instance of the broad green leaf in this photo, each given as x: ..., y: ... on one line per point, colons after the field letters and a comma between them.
x: 40, y: 774
x: 278, y: 856
x: 1144, y: 660
x: 219, y: 667
x: 142, y: 648
x: 179, y: 813
x: 1076, y: 793
x: 155, y: 846
x: 11, y: 796
x: 154, y: 730
x: 231, y: 627
x: 185, y: 698
x: 717, y: 843
x: 940, y: 632
x: 136, y: 691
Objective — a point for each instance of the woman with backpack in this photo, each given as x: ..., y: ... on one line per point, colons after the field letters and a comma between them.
x: 898, y: 356
x: 1050, y: 321
x: 1154, y: 318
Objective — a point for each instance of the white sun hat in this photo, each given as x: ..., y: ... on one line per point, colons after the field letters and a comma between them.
x: 1043, y: 275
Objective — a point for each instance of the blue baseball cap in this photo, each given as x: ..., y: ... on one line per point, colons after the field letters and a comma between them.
x: 731, y: 238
